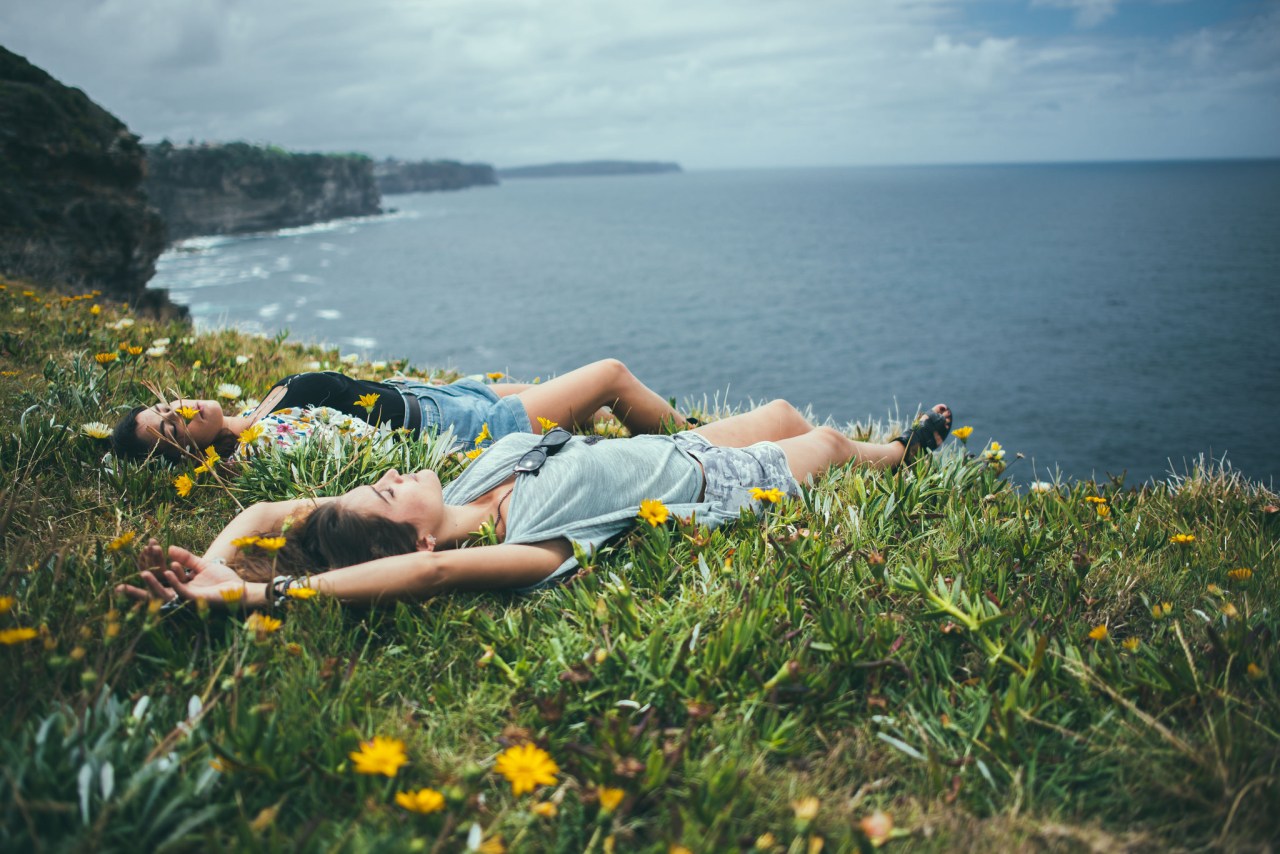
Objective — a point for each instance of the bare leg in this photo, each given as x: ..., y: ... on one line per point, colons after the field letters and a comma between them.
x: 574, y: 398
x: 772, y: 422
x: 822, y: 447
x: 812, y: 453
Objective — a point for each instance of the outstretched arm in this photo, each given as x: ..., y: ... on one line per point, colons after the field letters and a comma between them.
x: 412, y: 576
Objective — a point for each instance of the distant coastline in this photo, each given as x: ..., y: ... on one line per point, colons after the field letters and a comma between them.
x: 590, y: 168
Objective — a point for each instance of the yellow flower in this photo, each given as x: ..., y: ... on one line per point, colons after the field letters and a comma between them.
x: 270, y: 544
x: 1098, y: 633
x: 95, y: 310
x: 187, y: 412
x: 773, y: 496
x: 423, y: 801
x: 95, y: 430
x: 485, y: 435
x: 495, y: 375
x: 9, y: 637
x: 183, y: 484
x: 493, y: 845
x: 232, y: 596
x: 1131, y: 644
x: 806, y: 809
x: 105, y: 358
x: 546, y: 809
x: 1182, y: 539
x: 1161, y: 610
x: 250, y: 434
x: 527, y: 766
x: 1255, y: 672
x: 245, y: 542
x: 962, y: 433
x: 471, y: 455
x: 610, y: 798
x: 301, y: 592
x: 1104, y: 511
x: 367, y: 401
x: 134, y: 350
x: 547, y: 424
x: 6, y: 604
x: 381, y: 756
x: 1214, y: 589
x: 211, y: 459
x: 1243, y: 573
x: 1094, y: 499
x: 121, y: 541
x: 1229, y: 611
x: 654, y: 512
x: 262, y: 624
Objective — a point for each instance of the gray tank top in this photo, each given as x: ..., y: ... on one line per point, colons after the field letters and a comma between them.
x: 587, y: 493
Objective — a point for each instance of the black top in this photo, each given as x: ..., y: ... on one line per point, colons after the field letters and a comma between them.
x: 332, y: 389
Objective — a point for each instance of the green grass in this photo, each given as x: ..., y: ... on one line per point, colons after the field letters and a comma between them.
x: 914, y: 643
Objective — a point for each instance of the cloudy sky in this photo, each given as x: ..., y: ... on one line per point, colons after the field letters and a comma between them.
x: 708, y: 83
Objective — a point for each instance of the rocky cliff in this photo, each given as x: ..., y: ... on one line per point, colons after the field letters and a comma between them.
x: 72, y: 212
x: 428, y: 176
x: 236, y: 187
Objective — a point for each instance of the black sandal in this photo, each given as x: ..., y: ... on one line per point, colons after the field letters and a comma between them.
x: 921, y: 433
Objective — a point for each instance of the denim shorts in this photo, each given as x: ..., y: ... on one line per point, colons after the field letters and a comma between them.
x: 465, y: 407
x: 730, y: 473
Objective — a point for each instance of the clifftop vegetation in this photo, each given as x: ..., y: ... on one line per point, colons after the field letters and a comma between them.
x: 922, y: 660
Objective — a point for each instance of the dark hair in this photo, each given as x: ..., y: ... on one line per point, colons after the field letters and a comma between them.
x: 126, y: 444
x: 330, y: 537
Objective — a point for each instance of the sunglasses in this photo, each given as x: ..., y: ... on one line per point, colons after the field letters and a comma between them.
x: 550, y: 445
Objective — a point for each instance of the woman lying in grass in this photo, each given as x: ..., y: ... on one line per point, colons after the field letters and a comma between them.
x: 300, y: 404
x: 541, y: 497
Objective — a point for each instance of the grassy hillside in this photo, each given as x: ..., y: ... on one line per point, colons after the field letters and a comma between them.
x: 926, y: 660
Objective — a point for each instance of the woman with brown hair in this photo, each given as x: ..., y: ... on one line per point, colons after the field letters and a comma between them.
x: 545, y: 501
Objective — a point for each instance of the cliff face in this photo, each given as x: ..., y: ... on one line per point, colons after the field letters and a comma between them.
x: 72, y: 211
x: 428, y: 176
x: 236, y: 188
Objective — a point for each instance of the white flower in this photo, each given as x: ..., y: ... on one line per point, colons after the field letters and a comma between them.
x: 250, y: 403
x: 1041, y: 486
x: 160, y: 342
x: 122, y: 323
x: 312, y: 365
x: 190, y: 339
x: 379, y: 366
x: 229, y: 391
x: 156, y: 351
x: 95, y: 429
x: 243, y: 360
x: 350, y: 359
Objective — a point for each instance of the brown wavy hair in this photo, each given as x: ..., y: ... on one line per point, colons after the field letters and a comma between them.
x: 126, y: 444
x: 329, y: 537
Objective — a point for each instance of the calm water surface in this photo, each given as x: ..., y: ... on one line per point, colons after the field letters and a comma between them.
x: 1097, y: 318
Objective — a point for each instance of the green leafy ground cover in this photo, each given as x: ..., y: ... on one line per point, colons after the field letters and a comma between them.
x: 931, y: 649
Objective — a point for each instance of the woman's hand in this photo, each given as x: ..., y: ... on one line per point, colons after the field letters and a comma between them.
x: 188, y: 577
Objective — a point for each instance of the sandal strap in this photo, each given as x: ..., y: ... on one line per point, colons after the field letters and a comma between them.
x: 921, y: 433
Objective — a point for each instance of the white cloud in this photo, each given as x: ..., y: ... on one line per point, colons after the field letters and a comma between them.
x: 743, y: 83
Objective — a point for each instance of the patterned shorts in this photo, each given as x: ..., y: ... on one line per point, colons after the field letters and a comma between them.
x: 732, y: 472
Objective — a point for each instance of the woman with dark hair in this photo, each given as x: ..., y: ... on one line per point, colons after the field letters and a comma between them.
x: 475, y: 412
x: 544, y: 499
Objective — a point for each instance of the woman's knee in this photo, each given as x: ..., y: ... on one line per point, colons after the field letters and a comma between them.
x: 786, y: 414
x: 613, y: 369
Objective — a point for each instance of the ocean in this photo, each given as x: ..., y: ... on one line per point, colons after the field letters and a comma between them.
x: 1100, y: 319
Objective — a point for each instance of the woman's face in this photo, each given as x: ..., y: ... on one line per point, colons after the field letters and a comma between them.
x: 167, y: 425
x: 414, y: 498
